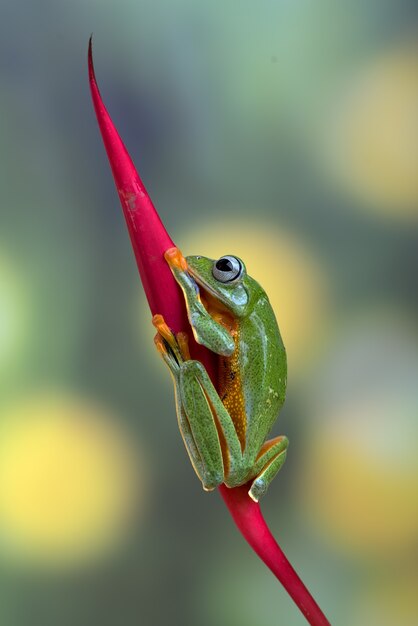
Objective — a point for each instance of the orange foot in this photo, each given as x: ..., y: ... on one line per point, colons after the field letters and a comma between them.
x: 178, y: 343
x: 175, y: 259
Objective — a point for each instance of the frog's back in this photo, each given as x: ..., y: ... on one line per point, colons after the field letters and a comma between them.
x: 260, y: 361
x: 264, y: 368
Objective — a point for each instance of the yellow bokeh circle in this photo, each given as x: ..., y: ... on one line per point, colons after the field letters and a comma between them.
x: 359, y: 472
x: 360, y: 477
x: 390, y: 601
x: 372, y: 134
x: 68, y: 480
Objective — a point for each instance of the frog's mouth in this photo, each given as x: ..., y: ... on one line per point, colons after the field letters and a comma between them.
x: 213, y: 302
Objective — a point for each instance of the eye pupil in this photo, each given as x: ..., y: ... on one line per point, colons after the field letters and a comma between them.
x: 227, y: 269
x: 224, y: 265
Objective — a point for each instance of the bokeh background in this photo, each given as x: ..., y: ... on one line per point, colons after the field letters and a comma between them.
x: 282, y: 131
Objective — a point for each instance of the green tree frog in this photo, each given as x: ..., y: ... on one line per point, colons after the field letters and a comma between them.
x: 225, y: 431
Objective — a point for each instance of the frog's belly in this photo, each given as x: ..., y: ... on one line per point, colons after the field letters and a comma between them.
x: 229, y: 379
x: 231, y: 392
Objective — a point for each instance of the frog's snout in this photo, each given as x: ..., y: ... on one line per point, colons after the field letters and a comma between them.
x: 175, y: 259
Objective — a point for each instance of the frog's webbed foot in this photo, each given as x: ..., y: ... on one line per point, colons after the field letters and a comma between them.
x: 173, y: 348
x: 270, y: 459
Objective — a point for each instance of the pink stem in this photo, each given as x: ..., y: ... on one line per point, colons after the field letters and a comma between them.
x: 248, y: 517
x: 150, y: 240
x: 148, y: 235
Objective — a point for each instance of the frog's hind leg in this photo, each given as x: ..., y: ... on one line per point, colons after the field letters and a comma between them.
x: 194, y: 414
x: 270, y: 459
x: 184, y: 426
x: 201, y: 420
x: 207, y: 428
x: 211, y: 423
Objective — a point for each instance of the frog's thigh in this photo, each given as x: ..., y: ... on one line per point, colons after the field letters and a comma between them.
x: 220, y: 417
x: 183, y: 422
x: 189, y: 442
x: 270, y: 460
x: 203, y: 429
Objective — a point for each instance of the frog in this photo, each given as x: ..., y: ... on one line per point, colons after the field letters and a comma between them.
x: 225, y: 427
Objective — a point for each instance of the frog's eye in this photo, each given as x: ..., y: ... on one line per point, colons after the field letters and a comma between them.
x: 226, y: 269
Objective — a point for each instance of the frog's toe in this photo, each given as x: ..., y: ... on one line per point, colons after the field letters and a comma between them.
x: 264, y: 478
x: 258, y: 489
x: 212, y: 480
x: 166, y: 353
x: 168, y: 336
x: 163, y: 328
x: 183, y: 345
x: 160, y: 344
x: 175, y: 259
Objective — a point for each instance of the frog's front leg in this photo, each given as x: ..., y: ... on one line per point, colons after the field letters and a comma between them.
x: 269, y: 461
x: 206, y: 426
x: 207, y: 331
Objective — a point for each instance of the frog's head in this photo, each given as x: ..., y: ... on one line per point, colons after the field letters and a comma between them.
x: 227, y: 281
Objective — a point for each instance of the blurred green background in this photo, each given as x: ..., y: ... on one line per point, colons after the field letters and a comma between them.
x: 285, y: 132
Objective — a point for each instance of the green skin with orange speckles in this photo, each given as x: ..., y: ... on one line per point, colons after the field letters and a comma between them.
x: 225, y: 433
